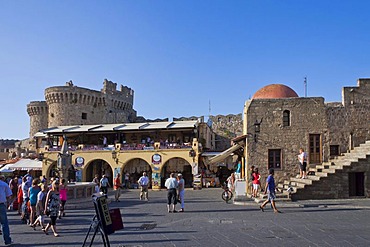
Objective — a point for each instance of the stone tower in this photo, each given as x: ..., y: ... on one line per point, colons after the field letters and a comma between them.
x: 72, y: 105
x: 38, y: 112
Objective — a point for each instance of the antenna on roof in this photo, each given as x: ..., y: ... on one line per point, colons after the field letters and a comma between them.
x: 209, y: 108
x: 305, y: 86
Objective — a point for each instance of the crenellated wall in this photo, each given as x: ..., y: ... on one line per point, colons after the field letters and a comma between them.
x: 72, y: 105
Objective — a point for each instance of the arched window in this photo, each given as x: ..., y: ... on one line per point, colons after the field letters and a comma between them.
x: 286, y: 118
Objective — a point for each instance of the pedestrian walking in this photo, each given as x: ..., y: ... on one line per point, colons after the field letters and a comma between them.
x: 127, y: 180
x: 104, y: 184
x: 32, y: 194
x: 5, y: 195
x: 63, y: 189
x: 171, y: 184
x: 144, y: 183
x: 117, y: 187
x: 96, y: 180
x: 181, y: 189
x: 270, y: 190
x: 13, y: 185
x: 41, y: 199
x: 25, y: 187
x: 302, y: 158
x: 52, y: 206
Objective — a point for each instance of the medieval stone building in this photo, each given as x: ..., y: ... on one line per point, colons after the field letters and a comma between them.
x: 72, y: 105
x: 277, y: 123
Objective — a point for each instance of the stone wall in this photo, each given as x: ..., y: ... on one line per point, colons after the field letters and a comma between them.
x: 350, y: 121
x: 345, y: 124
x: 307, y: 115
x: 336, y: 185
x: 225, y: 128
x: 72, y: 105
x: 38, y: 112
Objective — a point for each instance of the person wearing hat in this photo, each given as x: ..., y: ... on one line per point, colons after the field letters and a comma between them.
x: 181, y: 189
x: 5, y: 195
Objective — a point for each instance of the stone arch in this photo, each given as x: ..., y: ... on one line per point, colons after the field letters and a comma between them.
x: 135, y: 167
x: 52, y: 170
x: 177, y: 165
x: 100, y: 167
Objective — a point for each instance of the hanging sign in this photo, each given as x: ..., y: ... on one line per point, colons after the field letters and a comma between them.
x: 156, y: 159
x: 79, y: 161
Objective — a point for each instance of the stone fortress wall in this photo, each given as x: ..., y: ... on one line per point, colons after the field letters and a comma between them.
x: 225, y: 127
x: 351, y: 118
x: 72, y: 105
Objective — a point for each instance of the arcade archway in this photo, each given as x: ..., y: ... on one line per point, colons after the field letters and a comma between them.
x: 177, y: 165
x: 53, y: 170
x: 135, y: 169
x: 99, y: 167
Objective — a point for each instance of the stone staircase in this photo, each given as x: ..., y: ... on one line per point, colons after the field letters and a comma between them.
x: 328, y: 180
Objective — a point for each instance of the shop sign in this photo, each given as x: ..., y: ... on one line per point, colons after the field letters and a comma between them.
x: 156, y: 159
x: 156, y: 179
x: 80, y: 161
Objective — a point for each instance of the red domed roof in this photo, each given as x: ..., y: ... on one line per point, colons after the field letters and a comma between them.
x: 275, y: 91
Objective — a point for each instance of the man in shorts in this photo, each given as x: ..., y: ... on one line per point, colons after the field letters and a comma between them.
x: 270, y: 190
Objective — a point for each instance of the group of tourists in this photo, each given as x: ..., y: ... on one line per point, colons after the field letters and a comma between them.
x: 174, y: 184
x: 42, y: 199
x: 34, y: 198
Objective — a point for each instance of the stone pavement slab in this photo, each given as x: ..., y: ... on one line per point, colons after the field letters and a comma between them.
x: 209, y: 221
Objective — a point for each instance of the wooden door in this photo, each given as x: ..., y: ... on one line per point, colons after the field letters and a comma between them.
x: 315, y: 149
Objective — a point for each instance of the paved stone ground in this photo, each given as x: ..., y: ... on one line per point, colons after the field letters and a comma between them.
x: 208, y: 221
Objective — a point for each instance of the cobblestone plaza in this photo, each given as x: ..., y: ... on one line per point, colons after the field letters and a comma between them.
x: 209, y: 221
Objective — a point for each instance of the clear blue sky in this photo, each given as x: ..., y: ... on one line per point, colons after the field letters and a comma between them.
x: 179, y: 55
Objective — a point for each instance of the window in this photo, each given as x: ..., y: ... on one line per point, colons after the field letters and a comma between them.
x: 334, y: 150
x: 84, y: 115
x: 286, y: 118
x: 275, y: 158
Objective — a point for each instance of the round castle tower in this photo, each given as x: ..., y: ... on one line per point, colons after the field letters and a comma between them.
x: 38, y: 112
x: 71, y: 105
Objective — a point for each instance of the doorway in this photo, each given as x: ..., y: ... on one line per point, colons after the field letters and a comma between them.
x: 356, y: 182
x: 315, y: 149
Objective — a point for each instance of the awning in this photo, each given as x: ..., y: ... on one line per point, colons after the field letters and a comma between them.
x: 224, y: 154
x: 5, y: 169
x: 26, y: 164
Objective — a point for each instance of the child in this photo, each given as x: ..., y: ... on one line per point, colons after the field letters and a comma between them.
x: 41, y: 197
x: 256, y: 182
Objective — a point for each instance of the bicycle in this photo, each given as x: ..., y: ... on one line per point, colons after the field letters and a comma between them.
x: 227, y: 195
